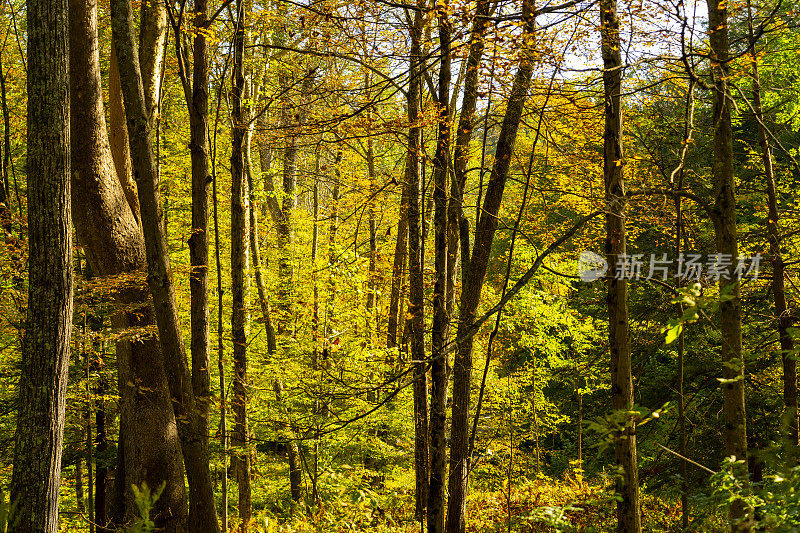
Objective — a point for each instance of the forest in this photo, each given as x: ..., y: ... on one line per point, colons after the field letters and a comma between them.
x: 449, y: 266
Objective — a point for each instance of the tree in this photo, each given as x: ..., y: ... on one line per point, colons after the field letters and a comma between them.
x: 36, y: 477
x: 108, y: 230
x: 474, y: 279
x: 160, y: 279
x: 725, y: 230
x: 628, y: 511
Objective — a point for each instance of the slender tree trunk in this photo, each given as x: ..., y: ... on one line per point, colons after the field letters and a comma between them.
x: 783, y: 316
x: 399, y: 265
x: 239, y: 266
x: 372, y: 312
x: 473, y: 283
x: 223, y: 408
x: 441, y: 317
x: 203, y: 514
x: 101, y: 446
x: 159, y: 270
x: 415, y: 255
x: 730, y: 324
x: 627, y: 485
x: 45, y: 355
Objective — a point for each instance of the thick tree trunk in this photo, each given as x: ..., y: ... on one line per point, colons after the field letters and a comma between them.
x: 730, y: 325
x: 113, y: 243
x: 441, y: 317
x: 473, y: 283
x: 158, y: 263
x: 416, y: 295
x: 36, y: 477
x: 239, y: 266
x: 627, y: 485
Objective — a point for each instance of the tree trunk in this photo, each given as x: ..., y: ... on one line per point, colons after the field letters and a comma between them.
x: 101, y: 445
x: 118, y: 137
x: 204, y: 517
x: 416, y: 295
x: 239, y: 266
x: 441, y: 318
x: 152, y: 49
x: 399, y: 265
x: 45, y: 355
x: 783, y: 316
x: 730, y: 325
x: 627, y: 485
x: 158, y: 263
x: 473, y: 283
x: 114, y: 245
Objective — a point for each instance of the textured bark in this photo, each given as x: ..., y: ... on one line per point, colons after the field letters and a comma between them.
x: 204, y: 517
x: 627, y: 484
x: 152, y: 49
x: 158, y: 264
x: 724, y: 218
x: 441, y: 318
x: 473, y: 284
x: 114, y: 245
x: 118, y: 136
x: 45, y: 350
x: 415, y: 277
x: 239, y: 265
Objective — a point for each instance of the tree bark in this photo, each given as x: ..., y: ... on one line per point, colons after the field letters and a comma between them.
x: 114, y: 245
x: 196, y: 96
x: 473, y: 281
x: 239, y: 266
x: 416, y: 295
x: 627, y: 485
x: 441, y: 318
x: 159, y: 270
x: 724, y: 218
x: 45, y: 354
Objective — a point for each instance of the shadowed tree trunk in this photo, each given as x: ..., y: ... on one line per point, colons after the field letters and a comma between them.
x: 36, y: 477
x: 441, y: 318
x: 112, y: 240
x: 398, y: 266
x: 473, y: 282
x: 239, y: 265
x: 627, y: 485
x: 724, y: 218
x: 415, y: 277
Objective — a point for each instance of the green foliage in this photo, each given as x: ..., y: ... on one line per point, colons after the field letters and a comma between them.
x: 145, y: 500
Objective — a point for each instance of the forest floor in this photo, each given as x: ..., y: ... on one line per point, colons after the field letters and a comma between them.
x: 358, y: 500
